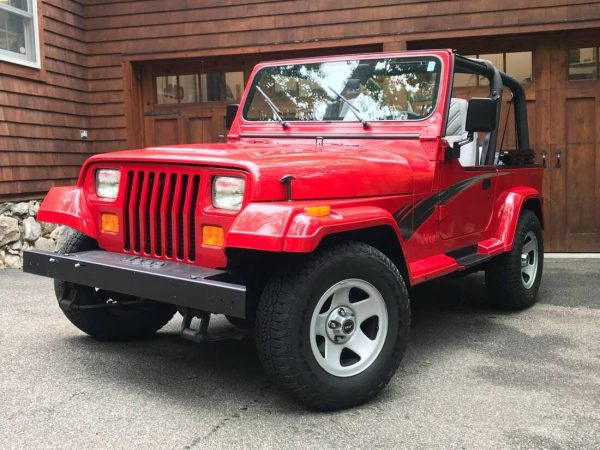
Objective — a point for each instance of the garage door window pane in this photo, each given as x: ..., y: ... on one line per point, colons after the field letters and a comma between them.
x: 177, y: 89
x: 212, y: 86
x: 199, y: 88
x: 465, y: 79
x: 519, y: 65
x: 166, y: 90
x: 497, y: 59
x: 583, y: 63
x: 188, y: 89
x: 234, y: 85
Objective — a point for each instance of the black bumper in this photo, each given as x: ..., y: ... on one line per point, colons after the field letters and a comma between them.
x: 165, y: 281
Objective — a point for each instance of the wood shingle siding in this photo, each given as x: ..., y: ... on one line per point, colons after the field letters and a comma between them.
x: 42, y: 111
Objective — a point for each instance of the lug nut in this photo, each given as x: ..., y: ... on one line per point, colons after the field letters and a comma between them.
x: 524, y: 259
x: 342, y: 312
x: 333, y: 324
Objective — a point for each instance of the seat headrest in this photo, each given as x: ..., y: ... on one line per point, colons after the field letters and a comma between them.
x: 457, y: 117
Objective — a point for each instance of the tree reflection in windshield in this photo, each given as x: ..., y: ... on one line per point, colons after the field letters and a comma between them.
x: 379, y: 89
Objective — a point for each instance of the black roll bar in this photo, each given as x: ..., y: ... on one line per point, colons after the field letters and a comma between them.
x: 498, y: 80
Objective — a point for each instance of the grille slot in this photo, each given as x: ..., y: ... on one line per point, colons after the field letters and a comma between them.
x: 192, y: 232
x: 160, y: 214
x: 168, y: 213
x: 148, y: 212
x: 157, y: 215
x: 127, y: 202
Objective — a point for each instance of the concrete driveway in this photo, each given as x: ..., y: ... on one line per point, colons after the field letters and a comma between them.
x: 473, y: 378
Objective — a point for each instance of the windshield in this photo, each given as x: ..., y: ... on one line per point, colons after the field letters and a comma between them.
x: 351, y: 90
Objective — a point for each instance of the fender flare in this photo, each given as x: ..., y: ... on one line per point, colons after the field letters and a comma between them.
x: 287, y: 228
x: 67, y: 206
x: 508, y: 211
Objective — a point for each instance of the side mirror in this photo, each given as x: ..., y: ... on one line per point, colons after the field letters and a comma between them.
x: 230, y: 113
x: 481, y: 115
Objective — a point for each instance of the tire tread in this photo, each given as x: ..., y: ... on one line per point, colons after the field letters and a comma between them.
x: 503, y: 273
x: 98, y: 324
x: 275, y: 343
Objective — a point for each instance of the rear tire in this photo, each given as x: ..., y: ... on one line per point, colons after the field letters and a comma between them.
x: 513, y: 278
x: 329, y: 368
x: 110, y: 324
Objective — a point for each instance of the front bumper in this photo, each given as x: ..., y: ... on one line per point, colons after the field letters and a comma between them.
x: 165, y: 281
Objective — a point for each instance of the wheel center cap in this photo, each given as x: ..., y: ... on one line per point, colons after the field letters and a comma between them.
x: 341, y: 324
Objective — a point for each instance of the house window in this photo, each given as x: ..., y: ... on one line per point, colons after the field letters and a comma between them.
x: 517, y: 64
x: 19, y: 36
x: 583, y: 63
x: 199, y: 88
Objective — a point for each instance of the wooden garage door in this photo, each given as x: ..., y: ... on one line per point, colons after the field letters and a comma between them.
x: 569, y: 109
x: 187, y: 125
x: 563, y: 102
x: 185, y: 103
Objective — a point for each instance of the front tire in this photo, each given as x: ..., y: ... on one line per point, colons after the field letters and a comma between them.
x: 513, y: 278
x: 115, y: 323
x: 332, y: 330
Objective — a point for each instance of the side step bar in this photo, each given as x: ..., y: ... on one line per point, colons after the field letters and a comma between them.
x: 472, y: 260
x: 165, y: 281
x: 468, y: 257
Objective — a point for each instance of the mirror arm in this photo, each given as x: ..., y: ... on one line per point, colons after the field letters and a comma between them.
x: 470, y: 137
x: 454, y: 151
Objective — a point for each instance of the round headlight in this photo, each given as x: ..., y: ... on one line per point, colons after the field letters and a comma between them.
x: 107, y: 183
x: 228, y: 192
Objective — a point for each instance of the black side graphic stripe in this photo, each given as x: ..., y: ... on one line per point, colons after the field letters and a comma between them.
x: 403, y: 210
x: 411, y: 221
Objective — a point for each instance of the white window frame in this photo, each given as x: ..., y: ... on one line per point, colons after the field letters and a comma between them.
x: 32, y: 57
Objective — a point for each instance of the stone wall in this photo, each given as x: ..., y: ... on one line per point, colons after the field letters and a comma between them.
x: 20, y: 230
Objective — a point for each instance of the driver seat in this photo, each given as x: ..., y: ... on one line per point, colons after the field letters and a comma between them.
x: 455, y: 131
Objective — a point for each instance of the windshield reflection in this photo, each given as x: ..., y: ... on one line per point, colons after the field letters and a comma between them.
x: 351, y: 90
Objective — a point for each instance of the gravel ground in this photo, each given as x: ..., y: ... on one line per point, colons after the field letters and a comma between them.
x: 473, y: 377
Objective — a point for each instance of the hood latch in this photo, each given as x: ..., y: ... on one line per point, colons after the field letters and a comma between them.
x: 286, y: 181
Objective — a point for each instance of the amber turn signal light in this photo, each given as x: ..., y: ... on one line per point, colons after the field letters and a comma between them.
x: 318, y: 211
x: 109, y: 222
x: 213, y: 235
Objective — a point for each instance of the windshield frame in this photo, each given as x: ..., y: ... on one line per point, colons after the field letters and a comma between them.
x: 251, y: 90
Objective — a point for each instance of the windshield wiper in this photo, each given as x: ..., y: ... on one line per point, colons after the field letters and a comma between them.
x: 353, y: 108
x: 274, y: 108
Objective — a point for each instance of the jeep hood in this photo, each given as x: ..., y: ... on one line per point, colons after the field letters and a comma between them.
x: 324, y: 171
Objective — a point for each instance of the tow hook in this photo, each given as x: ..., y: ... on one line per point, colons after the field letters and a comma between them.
x: 188, y: 331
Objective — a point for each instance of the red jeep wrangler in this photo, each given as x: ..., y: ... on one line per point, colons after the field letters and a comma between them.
x: 344, y: 182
